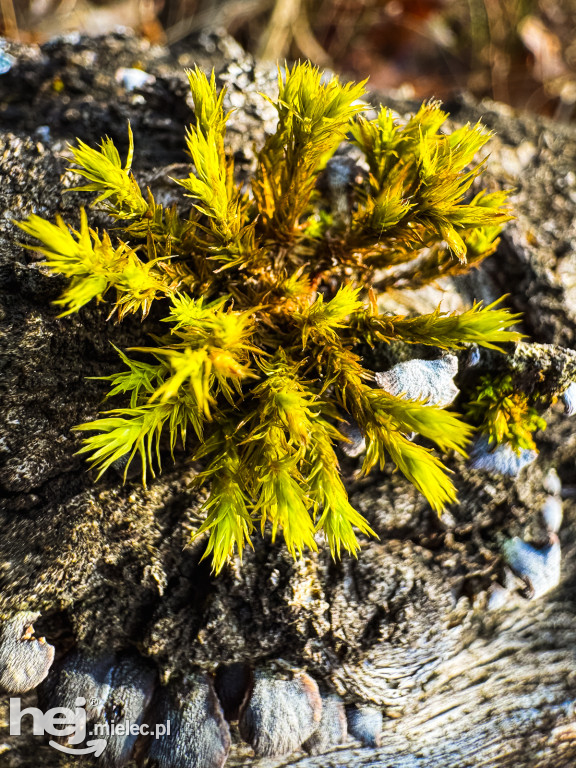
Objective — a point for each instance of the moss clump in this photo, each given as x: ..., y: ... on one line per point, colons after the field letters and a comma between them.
x: 268, y: 293
x: 503, y: 413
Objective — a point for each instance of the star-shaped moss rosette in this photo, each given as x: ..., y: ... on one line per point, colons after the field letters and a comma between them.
x: 269, y: 290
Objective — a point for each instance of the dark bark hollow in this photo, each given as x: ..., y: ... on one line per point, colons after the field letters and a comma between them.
x: 404, y: 628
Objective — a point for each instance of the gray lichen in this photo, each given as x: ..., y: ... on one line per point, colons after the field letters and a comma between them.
x: 501, y: 459
x: 539, y: 568
x: 199, y: 735
x: 332, y: 729
x: 365, y: 725
x: 552, y: 483
x: 116, y: 689
x: 281, y: 714
x: 569, y: 399
x: 357, y: 443
x: 24, y: 660
x: 429, y: 380
x: 552, y: 513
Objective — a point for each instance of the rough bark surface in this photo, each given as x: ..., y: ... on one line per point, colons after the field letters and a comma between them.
x: 110, y: 566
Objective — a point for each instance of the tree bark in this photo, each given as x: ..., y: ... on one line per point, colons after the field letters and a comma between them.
x: 406, y: 626
x: 506, y: 700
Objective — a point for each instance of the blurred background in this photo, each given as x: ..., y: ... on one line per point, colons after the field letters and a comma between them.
x: 521, y: 52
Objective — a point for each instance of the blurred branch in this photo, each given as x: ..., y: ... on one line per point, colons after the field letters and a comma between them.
x: 9, y: 23
x: 306, y: 41
x: 224, y: 15
x: 280, y: 31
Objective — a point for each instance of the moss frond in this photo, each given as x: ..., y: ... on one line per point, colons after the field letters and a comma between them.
x: 94, y: 266
x: 228, y: 517
x: 485, y: 326
x: 424, y: 470
x: 387, y: 421
x: 113, y: 181
x: 322, y: 319
x: 208, y: 103
x: 140, y: 380
x: 231, y: 236
x: 125, y: 433
x: 337, y: 517
x: 380, y: 409
x: 313, y: 117
x: 417, y: 187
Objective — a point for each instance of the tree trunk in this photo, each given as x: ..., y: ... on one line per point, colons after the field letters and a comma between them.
x: 109, y: 567
x: 507, y: 699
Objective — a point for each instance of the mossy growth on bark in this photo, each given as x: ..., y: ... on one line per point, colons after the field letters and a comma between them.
x: 503, y: 413
x: 268, y: 290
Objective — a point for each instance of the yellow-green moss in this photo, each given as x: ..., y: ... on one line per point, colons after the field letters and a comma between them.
x: 266, y: 295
